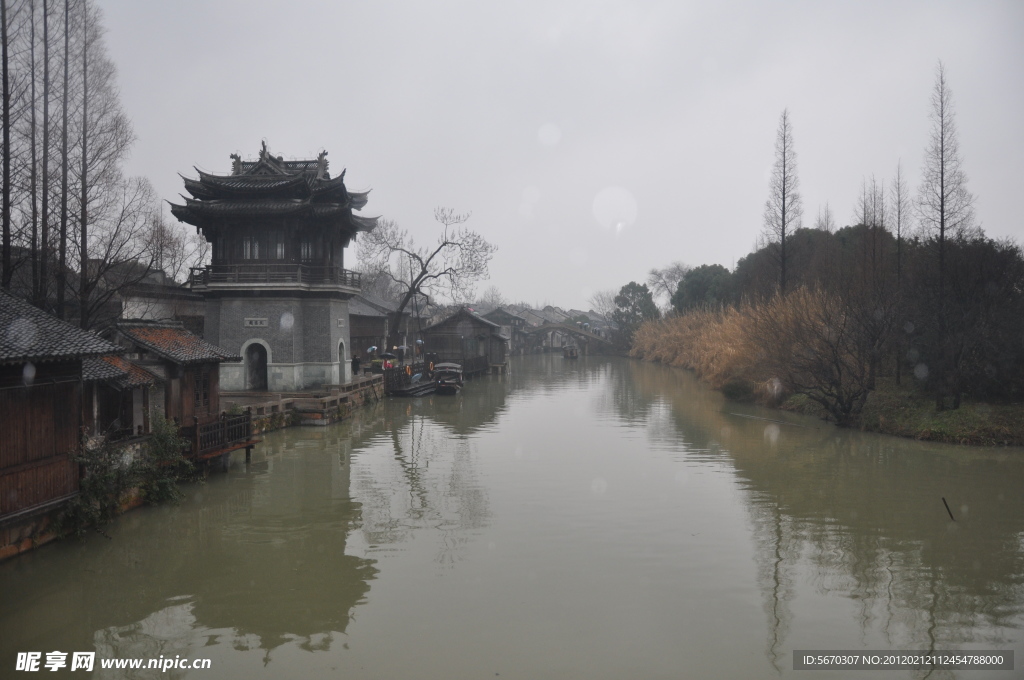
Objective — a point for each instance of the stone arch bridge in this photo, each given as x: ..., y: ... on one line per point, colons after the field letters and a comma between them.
x: 589, y: 343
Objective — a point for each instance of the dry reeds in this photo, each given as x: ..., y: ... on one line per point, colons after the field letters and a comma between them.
x: 713, y: 342
x: 805, y: 342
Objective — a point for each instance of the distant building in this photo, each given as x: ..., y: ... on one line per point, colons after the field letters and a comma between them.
x: 468, y: 339
x: 597, y: 324
x: 160, y: 298
x: 370, y: 322
x: 512, y: 326
x: 277, y: 292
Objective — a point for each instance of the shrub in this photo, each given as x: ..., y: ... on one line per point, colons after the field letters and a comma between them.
x: 164, y: 463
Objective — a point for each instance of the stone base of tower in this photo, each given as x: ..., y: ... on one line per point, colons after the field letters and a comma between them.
x: 287, y: 344
x: 287, y: 377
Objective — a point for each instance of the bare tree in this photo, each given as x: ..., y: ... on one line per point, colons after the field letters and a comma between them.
x: 491, y: 299
x: 899, y: 209
x: 810, y: 341
x: 945, y: 206
x: 783, y: 209
x: 825, y: 221
x: 871, y: 216
x: 83, y: 232
x: 90, y: 111
x: 62, y: 262
x: 603, y: 302
x: 33, y: 188
x: 7, y: 149
x: 121, y: 250
x: 664, y: 282
x: 44, y: 242
x: 173, y: 248
x: 449, y: 269
x: 378, y: 284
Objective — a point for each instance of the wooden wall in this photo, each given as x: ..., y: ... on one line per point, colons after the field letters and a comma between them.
x: 188, y: 409
x: 40, y: 427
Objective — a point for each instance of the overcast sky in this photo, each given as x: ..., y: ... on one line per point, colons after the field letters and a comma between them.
x: 591, y: 141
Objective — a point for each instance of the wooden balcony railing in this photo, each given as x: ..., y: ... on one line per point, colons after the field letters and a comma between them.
x: 303, y: 274
x: 220, y: 434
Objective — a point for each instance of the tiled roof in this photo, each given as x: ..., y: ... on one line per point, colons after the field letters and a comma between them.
x: 30, y: 334
x: 357, y: 307
x: 463, y: 312
x: 501, y: 312
x: 171, y: 341
x: 272, y: 186
x: 95, y: 368
x: 374, y: 301
x: 122, y: 371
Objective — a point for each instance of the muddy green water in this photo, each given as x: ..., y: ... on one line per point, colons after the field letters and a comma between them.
x: 589, y: 519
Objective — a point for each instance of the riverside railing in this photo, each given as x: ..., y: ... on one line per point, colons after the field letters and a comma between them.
x: 221, y: 433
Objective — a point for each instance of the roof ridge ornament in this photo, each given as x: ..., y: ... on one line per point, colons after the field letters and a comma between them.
x: 321, y: 165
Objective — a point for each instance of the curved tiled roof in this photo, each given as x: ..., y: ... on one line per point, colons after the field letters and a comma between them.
x: 275, y: 188
x: 30, y: 334
x: 463, y: 312
x: 96, y: 368
x: 122, y: 371
x: 171, y: 341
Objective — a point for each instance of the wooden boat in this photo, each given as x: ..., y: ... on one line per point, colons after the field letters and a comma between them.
x: 570, y: 352
x: 448, y: 378
x: 419, y: 388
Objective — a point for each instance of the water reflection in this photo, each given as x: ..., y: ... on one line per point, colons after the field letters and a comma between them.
x: 428, y: 479
x: 859, y: 516
x: 253, y: 560
x: 595, y: 518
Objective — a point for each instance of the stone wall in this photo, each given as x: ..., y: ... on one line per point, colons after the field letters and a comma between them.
x: 303, y: 337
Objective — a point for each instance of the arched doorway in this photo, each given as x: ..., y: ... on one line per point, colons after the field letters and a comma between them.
x: 342, y: 363
x: 256, y: 367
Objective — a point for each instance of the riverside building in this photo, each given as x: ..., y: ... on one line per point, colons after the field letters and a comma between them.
x: 277, y: 291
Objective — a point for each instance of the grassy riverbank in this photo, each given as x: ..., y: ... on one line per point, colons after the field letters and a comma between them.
x: 904, y: 411
x: 720, y: 348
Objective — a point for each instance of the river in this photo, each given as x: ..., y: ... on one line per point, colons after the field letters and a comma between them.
x: 599, y: 518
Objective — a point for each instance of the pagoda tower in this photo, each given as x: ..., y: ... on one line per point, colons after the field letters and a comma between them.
x: 277, y: 289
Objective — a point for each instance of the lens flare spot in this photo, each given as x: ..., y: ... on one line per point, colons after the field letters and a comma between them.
x: 615, y: 209
x: 22, y: 333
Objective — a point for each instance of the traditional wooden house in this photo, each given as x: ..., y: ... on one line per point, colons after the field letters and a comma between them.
x: 277, y: 291
x: 189, y: 370
x: 371, y: 319
x: 40, y: 416
x: 468, y: 339
x: 117, y: 400
x: 512, y: 326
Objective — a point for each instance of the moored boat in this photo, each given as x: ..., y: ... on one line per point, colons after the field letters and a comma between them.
x: 448, y: 378
x: 570, y: 352
x: 415, y: 389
